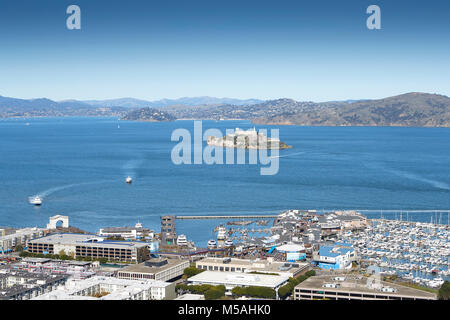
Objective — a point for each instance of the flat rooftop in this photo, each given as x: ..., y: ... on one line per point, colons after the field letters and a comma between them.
x: 86, y: 239
x: 241, y: 279
x: 142, y: 268
x: 358, y: 284
x: 257, y: 265
x: 123, y: 289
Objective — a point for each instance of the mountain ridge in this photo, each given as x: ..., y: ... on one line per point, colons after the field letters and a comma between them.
x: 408, y: 109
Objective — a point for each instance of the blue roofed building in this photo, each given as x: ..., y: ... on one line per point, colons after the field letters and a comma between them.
x: 335, y: 257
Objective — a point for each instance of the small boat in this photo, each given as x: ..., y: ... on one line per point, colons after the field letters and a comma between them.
x: 181, y: 240
x: 128, y: 180
x: 36, y: 200
x: 212, y: 244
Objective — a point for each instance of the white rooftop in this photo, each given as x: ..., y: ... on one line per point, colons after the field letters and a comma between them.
x: 238, y: 279
x: 291, y: 247
x: 122, y: 288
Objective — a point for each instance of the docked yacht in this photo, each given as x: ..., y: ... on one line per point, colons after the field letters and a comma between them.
x: 36, y: 200
x: 228, y: 243
x: 181, y: 240
x: 221, y: 233
x: 212, y: 244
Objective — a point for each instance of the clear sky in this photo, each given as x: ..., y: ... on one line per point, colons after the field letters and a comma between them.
x: 306, y: 50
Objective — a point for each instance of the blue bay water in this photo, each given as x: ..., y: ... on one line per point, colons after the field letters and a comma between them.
x: 79, y: 166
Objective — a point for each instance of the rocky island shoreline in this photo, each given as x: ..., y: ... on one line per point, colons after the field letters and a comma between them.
x: 247, y: 139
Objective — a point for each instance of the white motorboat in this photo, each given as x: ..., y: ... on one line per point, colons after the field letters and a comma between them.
x: 36, y: 200
x: 128, y: 180
x: 182, y: 240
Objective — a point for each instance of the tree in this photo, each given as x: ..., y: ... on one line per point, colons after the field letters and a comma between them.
x: 192, y: 271
x: 215, y: 293
x: 18, y: 248
x: 103, y: 260
x: 288, y: 288
x: 253, y: 291
x: 310, y: 273
x: 24, y: 254
x: 444, y: 291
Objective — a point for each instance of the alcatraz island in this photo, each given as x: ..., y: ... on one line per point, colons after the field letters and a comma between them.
x: 247, y: 139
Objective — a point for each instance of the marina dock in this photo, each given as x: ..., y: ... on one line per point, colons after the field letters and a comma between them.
x: 260, y: 216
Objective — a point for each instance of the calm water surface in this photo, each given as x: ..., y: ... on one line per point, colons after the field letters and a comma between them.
x: 79, y: 166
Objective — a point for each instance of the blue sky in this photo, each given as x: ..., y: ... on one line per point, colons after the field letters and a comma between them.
x: 306, y: 50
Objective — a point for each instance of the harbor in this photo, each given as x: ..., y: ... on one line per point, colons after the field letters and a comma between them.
x: 415, y: 251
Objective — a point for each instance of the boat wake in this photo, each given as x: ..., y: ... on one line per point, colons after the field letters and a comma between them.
x: 411, y: 176
x: 130, y: 168
x: 287, y: 155
x: 50, y: 191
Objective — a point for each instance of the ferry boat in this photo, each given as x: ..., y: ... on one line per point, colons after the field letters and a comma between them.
x: 181, y: 240
x: 36, y: 200
x: 128, y: 180
x: 212, y: 244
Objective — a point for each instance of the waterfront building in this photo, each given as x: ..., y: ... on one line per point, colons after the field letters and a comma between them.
x: 248, y: 266
x: 168, y: 230
x: 355, y: 288
x: 109, y: 288
x: 338, y: 256
x: 155, y: 269
x: 88, y: 245
x: 292, y: 252
x: 128, y: 233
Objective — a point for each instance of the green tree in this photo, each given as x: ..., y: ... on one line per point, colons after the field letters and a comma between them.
x: 103, y: 260
x: 310, y: 273
x: 24, y: 254
x: 257, y: 292
x: 18, y: 248
x: 215, y: 293
x: 444, y: 291
x: 192, y: 271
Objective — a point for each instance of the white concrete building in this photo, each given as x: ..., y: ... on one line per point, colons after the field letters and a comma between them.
x: 235, y: 279
x: 109, y: 288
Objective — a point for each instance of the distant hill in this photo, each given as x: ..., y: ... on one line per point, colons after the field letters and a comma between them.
x: 148, y: 114
x: 227, y: 111
x: 42, y: 107
x: 411, y: 109
x: 186, y: 101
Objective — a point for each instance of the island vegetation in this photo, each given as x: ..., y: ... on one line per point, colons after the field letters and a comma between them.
x: 148, y: 114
